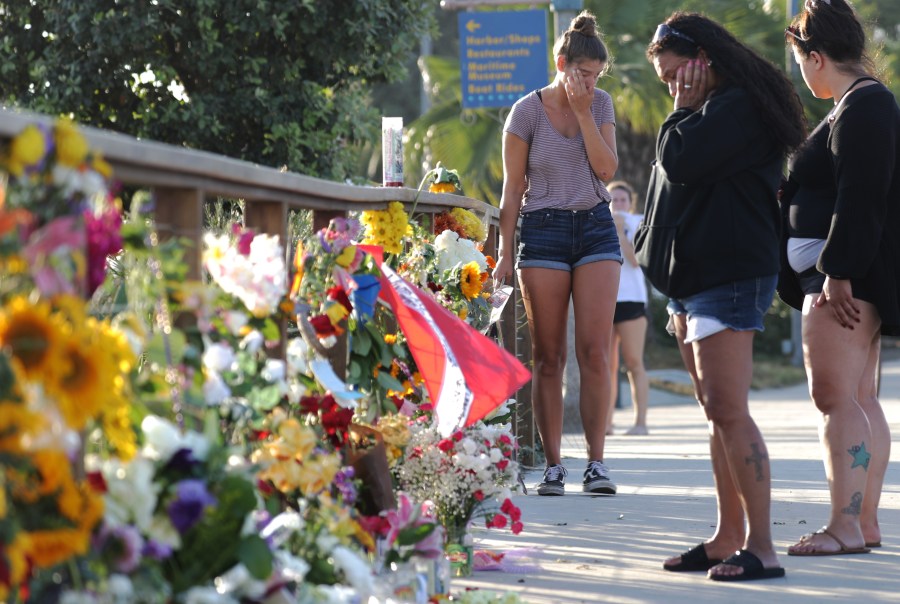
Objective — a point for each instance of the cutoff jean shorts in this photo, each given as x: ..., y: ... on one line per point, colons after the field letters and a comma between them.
x: 739, y: 305
x: 566, y: 239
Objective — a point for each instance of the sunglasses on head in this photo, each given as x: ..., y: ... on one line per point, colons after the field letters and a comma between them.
x: 665, y: 30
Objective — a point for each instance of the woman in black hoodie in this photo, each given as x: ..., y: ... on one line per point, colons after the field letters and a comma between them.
x: 710, y: 241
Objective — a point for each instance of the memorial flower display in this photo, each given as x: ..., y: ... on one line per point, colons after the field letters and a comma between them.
x: 166, y: 440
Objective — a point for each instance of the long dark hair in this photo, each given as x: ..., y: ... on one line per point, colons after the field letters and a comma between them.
x: 772, y: 92
x: 831, y: 27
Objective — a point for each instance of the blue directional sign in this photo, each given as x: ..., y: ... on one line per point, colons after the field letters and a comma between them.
x: 502, y: 55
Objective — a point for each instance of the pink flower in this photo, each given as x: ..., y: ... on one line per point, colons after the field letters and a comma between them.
x: 516, y: 528
x: 497, y: 521
x: 478, y: 495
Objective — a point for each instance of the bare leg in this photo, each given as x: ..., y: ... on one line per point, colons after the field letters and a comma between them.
x: 545, y: 294
x: 613, y: 376
x: 632, y: 334
x: 881, y: 445
x: 594, y: 288
x: 730, y: 530
x: 836, y: 360
x: 724, y: 364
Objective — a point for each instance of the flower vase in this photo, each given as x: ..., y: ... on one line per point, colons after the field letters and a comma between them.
x: 458, y: 549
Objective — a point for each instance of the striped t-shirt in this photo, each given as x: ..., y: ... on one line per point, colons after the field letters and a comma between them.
x: 558, y: 174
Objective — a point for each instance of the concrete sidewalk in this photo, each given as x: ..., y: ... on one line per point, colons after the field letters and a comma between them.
x: 611, y: 549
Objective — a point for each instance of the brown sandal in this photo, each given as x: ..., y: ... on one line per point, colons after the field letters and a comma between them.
x: 841, y: 552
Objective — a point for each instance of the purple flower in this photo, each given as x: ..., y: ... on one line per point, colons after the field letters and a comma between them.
x: 156, y: 550
x: 343, y: 480
x: 122, y: 545
x: 191, y: 501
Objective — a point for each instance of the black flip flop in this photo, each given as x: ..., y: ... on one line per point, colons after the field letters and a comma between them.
x: 695, y: 559
x: 753, y: 568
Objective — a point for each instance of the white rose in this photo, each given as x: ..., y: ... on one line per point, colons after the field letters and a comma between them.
x: 163, y: 531
x: 218, y: 357
x: 235, y: 321
x: 297, y: 351
x: 273, y: 371
x: 215, y: 390
x: 253, y: 341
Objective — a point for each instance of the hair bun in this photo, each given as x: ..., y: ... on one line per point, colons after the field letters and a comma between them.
x: 585, y: 24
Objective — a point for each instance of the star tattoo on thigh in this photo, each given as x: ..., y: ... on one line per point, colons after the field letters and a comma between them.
x: 757, y: 460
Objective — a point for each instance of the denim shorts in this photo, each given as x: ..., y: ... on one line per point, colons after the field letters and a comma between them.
x: 739, y: 305
x: 565, y: 239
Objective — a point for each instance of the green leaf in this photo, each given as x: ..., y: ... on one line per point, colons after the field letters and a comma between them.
x: 264, y: 399
x: 389, y: 382
x: 361, y: 342
x: 271, y: 331
x: 413, y: 534
x: 255, y: 554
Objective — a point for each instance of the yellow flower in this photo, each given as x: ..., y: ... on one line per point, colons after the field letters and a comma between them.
x: 16, y: 420
x: 296, y: 441
x: 386, y: 227
x: 49, y: 548
x: 390, y: 339
x: 442, y: 187
x: 336, y: 312
x: 29, y: 331
x: 71, y: 147
x: 470, y: 280
x: 315, y: 475
x: 16, y: 553
x: 100, y: 165
x: 346, y: 257
x: 119, y: 431
x: 285, y: 475
x: 53, y: 468
x: 83, y: 383
x: 26, y: 149
x: 472, y: 226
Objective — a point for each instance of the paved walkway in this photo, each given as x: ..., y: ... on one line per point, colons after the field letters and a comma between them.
x: 610, y: 549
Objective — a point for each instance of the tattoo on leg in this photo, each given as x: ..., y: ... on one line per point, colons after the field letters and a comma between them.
x: 855, y: 505
x: 860, y: 456
x: 757, y: 460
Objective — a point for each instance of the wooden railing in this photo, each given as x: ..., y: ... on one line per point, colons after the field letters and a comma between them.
x: 183, y: 180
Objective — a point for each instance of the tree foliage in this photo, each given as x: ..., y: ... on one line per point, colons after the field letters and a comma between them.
x: 278, y: 83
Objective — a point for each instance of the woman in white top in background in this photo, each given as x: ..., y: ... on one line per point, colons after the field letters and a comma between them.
x: 630, y: 320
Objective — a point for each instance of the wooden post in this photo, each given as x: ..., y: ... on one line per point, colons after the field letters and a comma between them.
x: 179, y: 213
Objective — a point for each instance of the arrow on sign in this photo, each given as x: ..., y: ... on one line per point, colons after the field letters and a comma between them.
x: 472, y: 26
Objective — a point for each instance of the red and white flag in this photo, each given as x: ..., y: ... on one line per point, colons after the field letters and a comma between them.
x: 466, y: 374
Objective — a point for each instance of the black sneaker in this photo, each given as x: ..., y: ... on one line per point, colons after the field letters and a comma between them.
x: 596, y: 479
x: 554, y: 482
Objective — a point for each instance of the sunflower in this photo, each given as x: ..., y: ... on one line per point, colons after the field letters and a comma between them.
x: 82, y: 387
x: 49, y: 548
x: 470, y: 280
x: 16, y: 419
x: 31, y: 334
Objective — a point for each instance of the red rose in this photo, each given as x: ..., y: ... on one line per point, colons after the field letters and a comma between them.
x: 516, y: 528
